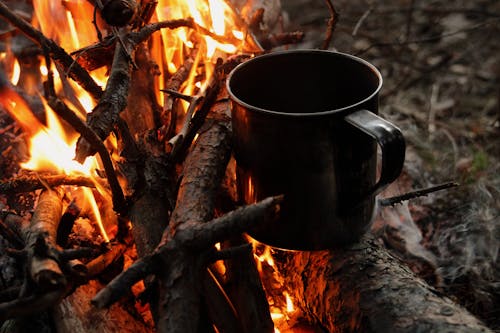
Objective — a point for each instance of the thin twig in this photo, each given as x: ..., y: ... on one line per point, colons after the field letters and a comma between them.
x: 216, y: 230
x: 78, y: 125
x: 168, y: 116
x: 200, y: 102
x: 332, y: 23
x: 415, y: 194
x: 360, y: 21
x: 31, y: 183
x: 176, y: 94
x: 428, y: 39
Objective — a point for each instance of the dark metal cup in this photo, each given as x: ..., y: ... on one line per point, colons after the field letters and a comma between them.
x: 305, y: 125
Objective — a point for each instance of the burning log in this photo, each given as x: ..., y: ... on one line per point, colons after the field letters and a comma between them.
x: 42, y: 260
x: 75, y: 314
x: 204, y: 169
x: 364, y: 288
x: 30, y: 183
x: 41, y: 242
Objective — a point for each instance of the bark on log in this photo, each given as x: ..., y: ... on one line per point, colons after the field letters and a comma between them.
x: 75, y: 314
x: 195, y: 203
x: 366, y: 289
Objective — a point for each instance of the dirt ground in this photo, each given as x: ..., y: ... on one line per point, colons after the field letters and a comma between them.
x: 441, y: 66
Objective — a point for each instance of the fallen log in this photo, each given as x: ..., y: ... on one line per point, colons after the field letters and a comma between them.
x: 364, y: 288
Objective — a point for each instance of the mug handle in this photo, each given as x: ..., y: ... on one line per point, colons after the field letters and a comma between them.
x: 389, y: 138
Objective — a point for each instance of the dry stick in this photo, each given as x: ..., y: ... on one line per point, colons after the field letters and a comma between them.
x: 216, y: 230
x: 99, y: 264
x: 113, y: 101
x: 245, y: 287
x: 429, y: 39
x: 41, y: 242
x: 62, y: 110
x: 29, y: 183
x: 361, y: 20
x: 194, y: 102
x: 415, y: 194
x: 148, y: 30
x: 168, y: 116
x: 182, y: 141
x: 332, y: 23
x: 276, y: 40
x: 77, y: 73
x: 105, y: 114
x: 203, y: 172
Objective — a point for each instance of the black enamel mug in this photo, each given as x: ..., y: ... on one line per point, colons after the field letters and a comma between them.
x: 305, y: 125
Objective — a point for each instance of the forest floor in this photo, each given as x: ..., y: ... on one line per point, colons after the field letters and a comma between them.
x: 441, y: 66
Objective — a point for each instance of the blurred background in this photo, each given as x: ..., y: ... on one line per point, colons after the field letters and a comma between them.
x: 441, y: 66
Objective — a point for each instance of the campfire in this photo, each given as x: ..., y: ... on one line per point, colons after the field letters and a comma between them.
x: 126, y: 215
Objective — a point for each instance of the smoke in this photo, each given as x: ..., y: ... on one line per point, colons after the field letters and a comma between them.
x: 401, y: 232
x: 468, y: 250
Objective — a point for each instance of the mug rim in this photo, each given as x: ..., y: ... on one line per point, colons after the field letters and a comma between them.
x: 304, y: 114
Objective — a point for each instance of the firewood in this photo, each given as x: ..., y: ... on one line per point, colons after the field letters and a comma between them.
x: 41, y: 260
x: 194, y: 238
x: 41, y: 242
x: 364, y: 288
x: 332, y: 23
x: 105, y: 114
x: 75, y: 314
x: 245, y: 289
x: 168, y: 116
x: 29, y: 183
x: 142, y: 109
x: 275, y: 40
x: 113, y: 101
x: 91, y: 138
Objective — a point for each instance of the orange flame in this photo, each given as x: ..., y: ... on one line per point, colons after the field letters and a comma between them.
x: 282, y: 305
x: 49, y: 150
